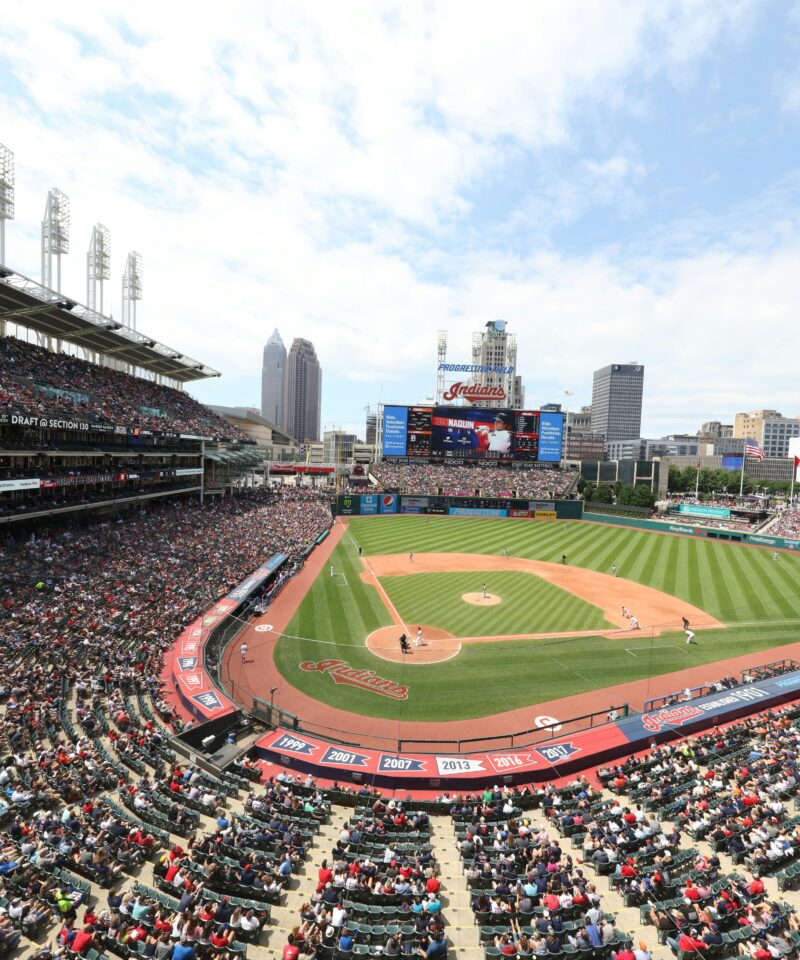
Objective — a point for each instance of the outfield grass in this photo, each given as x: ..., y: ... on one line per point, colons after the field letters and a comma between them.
x: 742, y: 586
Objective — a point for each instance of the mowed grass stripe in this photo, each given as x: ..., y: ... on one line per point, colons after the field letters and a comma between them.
x: 744, y: 577
x: 530, y: 605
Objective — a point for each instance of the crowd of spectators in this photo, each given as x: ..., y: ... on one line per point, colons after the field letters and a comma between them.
x: 786, y: 525
x: 494, y: 480
x: 120, y: 590
x: 86, y: 390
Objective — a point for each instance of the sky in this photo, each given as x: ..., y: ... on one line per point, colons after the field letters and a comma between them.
x: 617, y: 181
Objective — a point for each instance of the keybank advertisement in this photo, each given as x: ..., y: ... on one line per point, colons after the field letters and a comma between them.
x: 551, y: 431
x: 395, y: 428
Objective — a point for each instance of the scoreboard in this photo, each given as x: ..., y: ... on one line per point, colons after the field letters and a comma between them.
x: 472, y: 433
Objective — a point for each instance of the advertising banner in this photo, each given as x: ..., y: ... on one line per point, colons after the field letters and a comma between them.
x: 369, y: 504
x: 697, y: 510
x: 551, y: 431
x: 545, y: 515
x: 348, y: 506
x: 9, y: 485
x: 388, y: 503
x: 539, y: 761
x: 395, y: 428
x: 476, y: 512
x: 731, y: 463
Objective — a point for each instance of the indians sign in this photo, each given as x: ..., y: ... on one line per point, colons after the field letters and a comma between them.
x: 342, y: 672
x: 473, y: 392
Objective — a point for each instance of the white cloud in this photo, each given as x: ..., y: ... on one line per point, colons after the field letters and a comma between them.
x: 314, y: 167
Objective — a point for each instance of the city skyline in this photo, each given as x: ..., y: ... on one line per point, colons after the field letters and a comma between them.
x: 621, y: 182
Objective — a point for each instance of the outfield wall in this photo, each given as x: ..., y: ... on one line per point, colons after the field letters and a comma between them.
x: 695, y: 530
x: 391, y: 504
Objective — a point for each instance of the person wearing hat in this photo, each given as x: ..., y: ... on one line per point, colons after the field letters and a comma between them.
x: 497, y: 440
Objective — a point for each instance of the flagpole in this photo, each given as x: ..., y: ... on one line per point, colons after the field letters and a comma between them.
x: 744, y: 457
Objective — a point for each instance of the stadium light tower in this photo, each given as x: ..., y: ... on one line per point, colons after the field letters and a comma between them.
x: 98, y: 266
x: 6, y: 195
x: 55, y: 237
x: 441, y: 357
x: 131, y: 288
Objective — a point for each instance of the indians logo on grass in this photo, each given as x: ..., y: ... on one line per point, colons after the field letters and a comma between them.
x: 342, y: 672
x: 671, y: 717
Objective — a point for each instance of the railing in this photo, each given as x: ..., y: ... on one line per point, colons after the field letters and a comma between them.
x: 273, y: 716
x: 749, y: 675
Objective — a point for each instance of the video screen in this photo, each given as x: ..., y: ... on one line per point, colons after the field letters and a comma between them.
x: 473, y: 433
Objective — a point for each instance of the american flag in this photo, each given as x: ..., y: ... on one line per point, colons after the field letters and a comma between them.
x: 753, y: 449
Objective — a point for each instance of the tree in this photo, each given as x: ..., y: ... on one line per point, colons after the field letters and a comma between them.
x: 604, y: 494
x: 643, y: 496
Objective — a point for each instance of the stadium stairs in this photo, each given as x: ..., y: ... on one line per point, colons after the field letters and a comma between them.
x: 464, y: 933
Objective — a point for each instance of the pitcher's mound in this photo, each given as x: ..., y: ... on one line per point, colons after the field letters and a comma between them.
x: 438, y: 645
x: 490, y: 600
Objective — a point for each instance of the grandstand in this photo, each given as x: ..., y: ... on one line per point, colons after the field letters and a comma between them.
x: 139, y: 817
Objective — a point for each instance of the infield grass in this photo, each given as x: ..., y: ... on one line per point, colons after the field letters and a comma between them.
x: 742, y: 586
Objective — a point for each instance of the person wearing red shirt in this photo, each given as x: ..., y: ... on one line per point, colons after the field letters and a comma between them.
x: 689, y: 943
x: 761, y: 952
x: 325, y: 876
x: 83, y: 940
x: 432, y: 885
x: 290, y: 951
x: 756, y: 887
x: 691, y: 892
x: 625, y: 953
x: 172, y: 870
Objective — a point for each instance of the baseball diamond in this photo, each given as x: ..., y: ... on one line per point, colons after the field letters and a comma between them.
x: 557, y: 641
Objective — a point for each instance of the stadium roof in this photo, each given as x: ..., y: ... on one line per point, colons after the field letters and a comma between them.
x: 250, y: 416
x: 26, y: 302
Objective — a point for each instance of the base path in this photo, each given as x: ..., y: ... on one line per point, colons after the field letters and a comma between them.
x: 259, y: 674
x: 654, y: 609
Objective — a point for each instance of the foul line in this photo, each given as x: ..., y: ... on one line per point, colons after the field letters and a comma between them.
x: 379, y: 586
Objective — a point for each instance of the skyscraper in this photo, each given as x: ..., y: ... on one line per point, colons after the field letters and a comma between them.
x: 494, y: 347
x: 272, y: 380
x: 302, y: 391
x: 617, y: 401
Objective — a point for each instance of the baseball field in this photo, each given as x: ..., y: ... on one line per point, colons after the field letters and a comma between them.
x: 515, y: 613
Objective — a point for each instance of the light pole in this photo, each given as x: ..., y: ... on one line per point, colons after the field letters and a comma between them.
x: 272, y: 701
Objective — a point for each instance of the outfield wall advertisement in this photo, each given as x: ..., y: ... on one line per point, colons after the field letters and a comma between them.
x: 697, y: 530
x: 372, y: 504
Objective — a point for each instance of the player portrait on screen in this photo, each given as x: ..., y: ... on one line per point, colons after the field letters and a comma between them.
x: 497, y: 440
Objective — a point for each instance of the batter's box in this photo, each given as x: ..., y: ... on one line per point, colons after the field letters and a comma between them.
x: 663, y: 646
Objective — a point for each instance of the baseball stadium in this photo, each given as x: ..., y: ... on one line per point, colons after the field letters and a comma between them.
x: 469, y: 695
